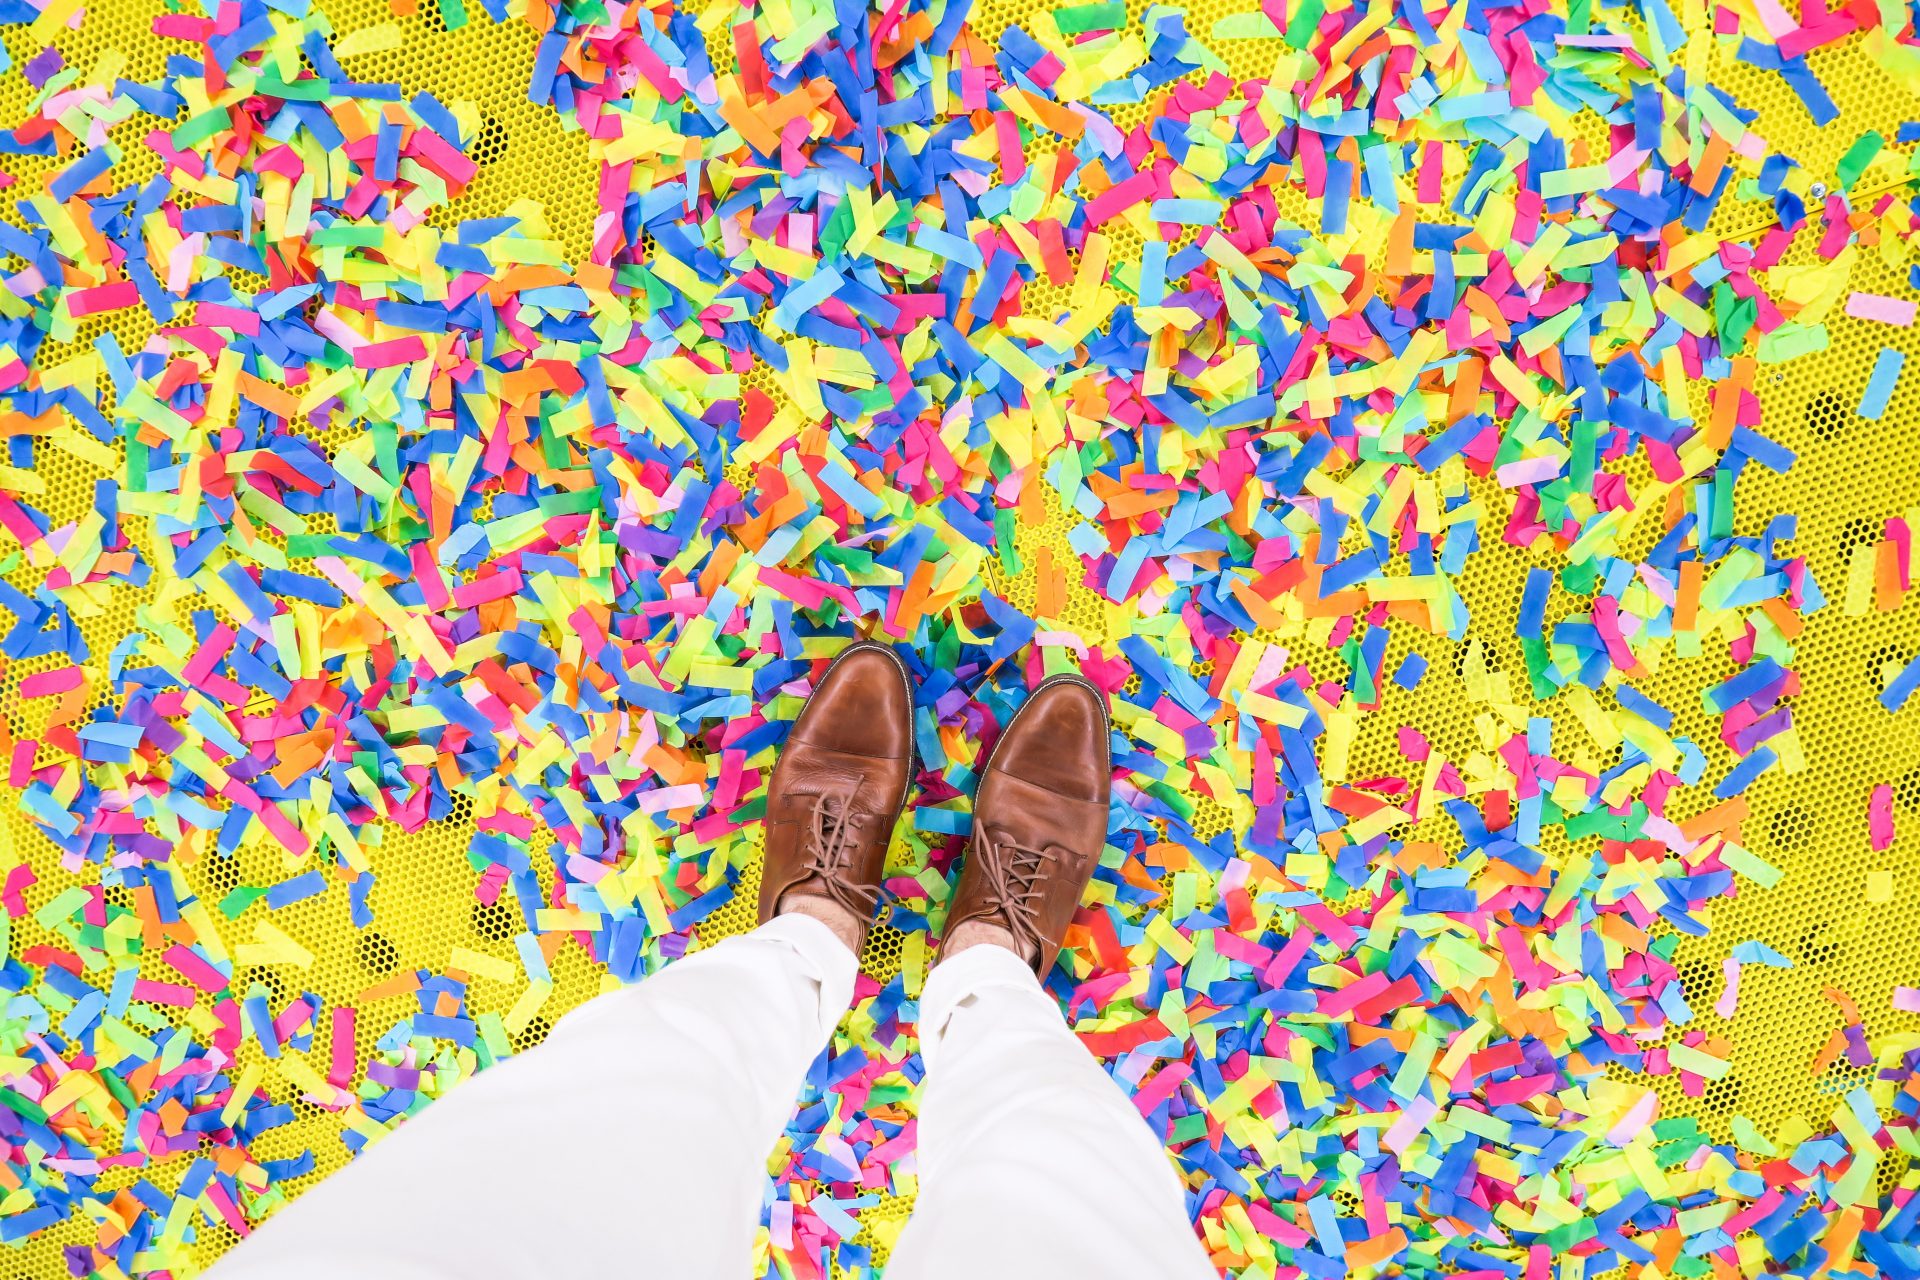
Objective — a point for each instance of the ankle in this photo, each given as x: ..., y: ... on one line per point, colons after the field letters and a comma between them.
x: 849, y: 928
x: 982, y: 933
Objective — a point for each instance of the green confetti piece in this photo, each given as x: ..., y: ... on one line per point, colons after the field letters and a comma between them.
x: 1302, y: 22
x: 118, y: 1087
x: 62, y: 908
x: 1790, y: 341
x: 198, y: 129
x: 294, y: 91
x: 349, y: 236
x: 1187, y: 1128
x: 1753, y: 868
x: 235, y: 903
x: 1858, y: 157
x: 22, y: 1106
x: 1079, y: 18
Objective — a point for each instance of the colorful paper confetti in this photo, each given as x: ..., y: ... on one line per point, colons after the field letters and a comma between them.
x: 1068, y: 343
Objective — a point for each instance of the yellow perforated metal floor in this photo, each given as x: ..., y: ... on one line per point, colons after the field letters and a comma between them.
x: 1847, y: 917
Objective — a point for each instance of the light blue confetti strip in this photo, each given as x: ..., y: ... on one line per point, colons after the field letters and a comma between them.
x: 1755, y: 952
x: 1886, y: 372
x: 1326, y: 1226
x: 1192, y: 212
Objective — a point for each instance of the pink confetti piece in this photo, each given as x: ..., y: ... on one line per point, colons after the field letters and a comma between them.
x: 1874, y: 306
x: 1729, y: 999
x: 1880, y: 816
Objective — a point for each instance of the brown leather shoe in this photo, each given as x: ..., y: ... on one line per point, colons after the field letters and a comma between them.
x: 841, y: 783
x: 1039, y: 819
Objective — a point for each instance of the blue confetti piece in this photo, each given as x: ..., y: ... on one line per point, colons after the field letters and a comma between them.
x: 1901, y: 687
x: 1881, y: 382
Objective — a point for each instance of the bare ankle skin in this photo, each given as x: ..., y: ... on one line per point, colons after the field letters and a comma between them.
x: 980, y: 933
x: 849, y: 928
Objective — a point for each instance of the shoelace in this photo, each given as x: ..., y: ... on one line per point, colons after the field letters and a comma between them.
x: 832, y: 828
x: 1013, y: 872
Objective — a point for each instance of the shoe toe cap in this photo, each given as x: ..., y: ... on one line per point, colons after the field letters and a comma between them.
x: 861, y: 706
x: 1059, y: 741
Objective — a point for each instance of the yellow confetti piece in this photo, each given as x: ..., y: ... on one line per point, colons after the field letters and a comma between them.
x: 482, y: 965
x: 527, y: 1007
x: 69, y: 1089
x: 272, y: 946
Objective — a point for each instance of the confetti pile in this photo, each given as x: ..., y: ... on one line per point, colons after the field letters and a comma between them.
x: 1065, y: 345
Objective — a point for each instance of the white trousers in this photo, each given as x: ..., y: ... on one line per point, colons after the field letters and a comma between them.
x: 634, y: 1140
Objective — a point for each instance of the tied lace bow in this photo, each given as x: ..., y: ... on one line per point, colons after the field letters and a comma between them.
x: 1014, y: 883
x: 833, y: 833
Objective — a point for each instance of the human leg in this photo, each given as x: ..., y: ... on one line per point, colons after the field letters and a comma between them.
x: 633, y: 1140
x: 1032, y: 1162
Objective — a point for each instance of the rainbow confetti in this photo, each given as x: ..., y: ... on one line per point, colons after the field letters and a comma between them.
x: 421, y: 516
